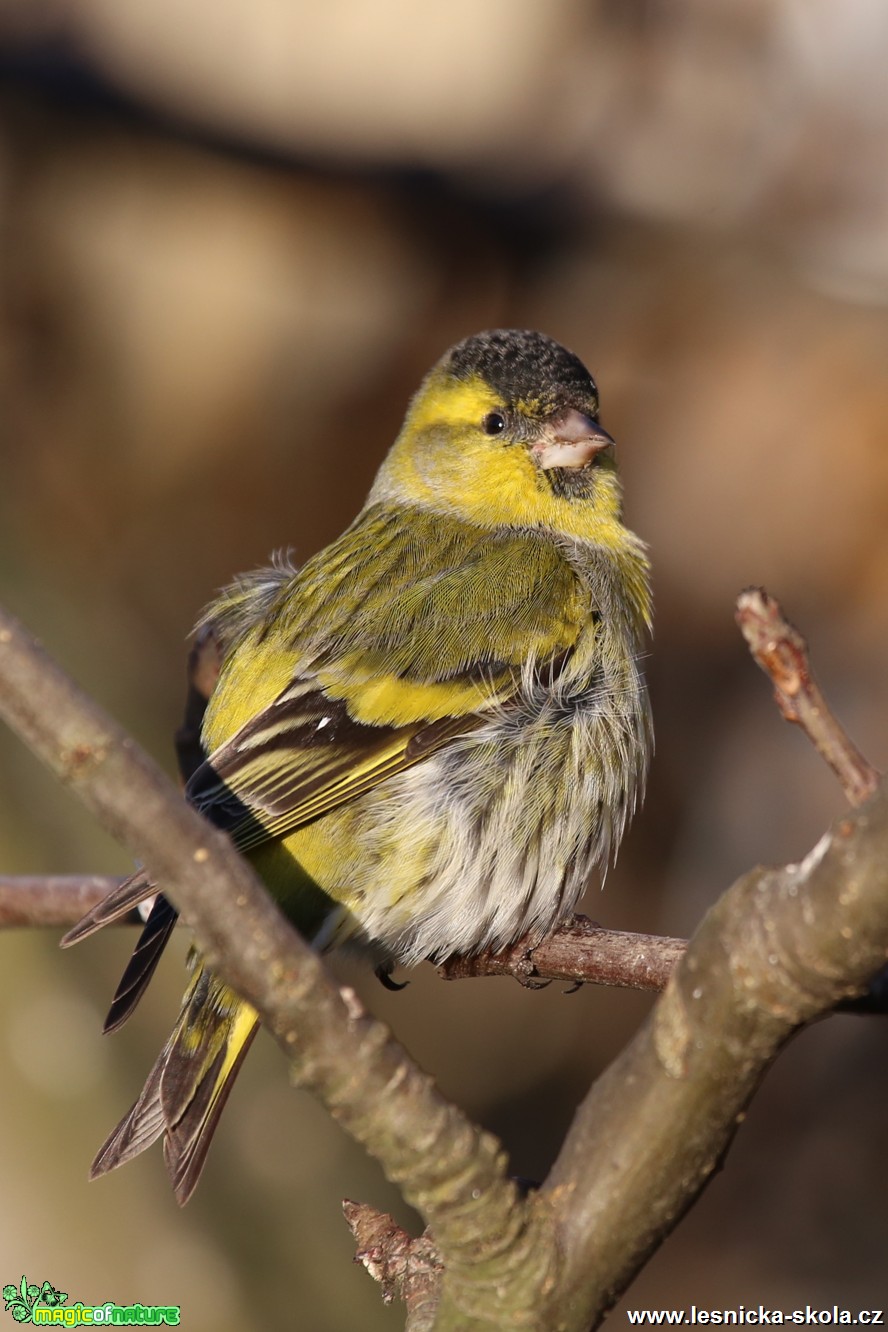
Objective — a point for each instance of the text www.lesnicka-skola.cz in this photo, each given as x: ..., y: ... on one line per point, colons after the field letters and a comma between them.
x: 757, y: 1316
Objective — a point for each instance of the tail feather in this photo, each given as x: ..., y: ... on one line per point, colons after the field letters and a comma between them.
x: 143, y: 963
x: 140, y: 1127
x: 186, y: 1143
x: 188, y: 1086
x: 147, y: 952
x: 118, y: 903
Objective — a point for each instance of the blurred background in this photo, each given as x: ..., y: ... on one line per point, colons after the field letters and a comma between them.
x: 234, y: 235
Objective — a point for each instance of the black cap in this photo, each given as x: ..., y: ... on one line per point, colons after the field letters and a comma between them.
x: 520, y: 363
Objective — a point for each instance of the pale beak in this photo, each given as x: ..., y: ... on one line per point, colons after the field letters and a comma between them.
x: 572, y: 440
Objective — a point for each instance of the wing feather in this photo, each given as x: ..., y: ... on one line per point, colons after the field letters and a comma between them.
x: 399, y: 638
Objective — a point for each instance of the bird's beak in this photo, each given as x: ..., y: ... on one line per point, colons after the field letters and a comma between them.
x: 572, y: 440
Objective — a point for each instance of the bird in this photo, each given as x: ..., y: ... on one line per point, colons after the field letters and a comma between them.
x: 428, y: 736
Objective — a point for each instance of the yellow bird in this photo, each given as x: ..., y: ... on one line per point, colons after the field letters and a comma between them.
x: 427, y: 737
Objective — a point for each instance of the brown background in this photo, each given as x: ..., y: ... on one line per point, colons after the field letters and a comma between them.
x: 233, y: 237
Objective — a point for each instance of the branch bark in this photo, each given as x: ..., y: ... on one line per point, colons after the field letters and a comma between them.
x: 780, y: 948
x: 407, y: 1269
x: 580, y: 952
x: 496, y: 1256
x: 782, y: 652
x: 53, y: 900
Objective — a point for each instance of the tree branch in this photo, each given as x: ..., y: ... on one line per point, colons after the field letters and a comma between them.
x: 496, y: 1257
x: 55, y: 900
x: 582, y: 952
x: 782, y: 653
x: 407, y: 1269
x: 780, y: 948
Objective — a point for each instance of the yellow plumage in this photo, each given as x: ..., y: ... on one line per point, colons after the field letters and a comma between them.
x: 428, y: 736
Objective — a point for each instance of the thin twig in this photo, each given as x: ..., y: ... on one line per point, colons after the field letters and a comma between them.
x: 53, y: 900
x: 406, y: 1268
x: 782, y: 653
x: 582, y: 952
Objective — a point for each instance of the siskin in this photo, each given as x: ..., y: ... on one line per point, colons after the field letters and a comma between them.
x: 428, y: 736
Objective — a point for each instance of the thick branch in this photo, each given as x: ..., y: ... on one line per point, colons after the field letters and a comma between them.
x: 781, y: 947
x: 453, y: 1173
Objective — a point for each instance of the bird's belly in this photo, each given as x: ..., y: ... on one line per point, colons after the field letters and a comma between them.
x: 490, y: 839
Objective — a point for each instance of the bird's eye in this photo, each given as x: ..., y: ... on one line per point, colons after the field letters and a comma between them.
x: 494, y: 423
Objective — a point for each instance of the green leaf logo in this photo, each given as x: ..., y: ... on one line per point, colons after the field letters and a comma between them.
x: 20, y: 1300
x: 51, y: 1297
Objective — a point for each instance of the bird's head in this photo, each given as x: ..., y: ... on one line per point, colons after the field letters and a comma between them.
x: 504, y: 430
